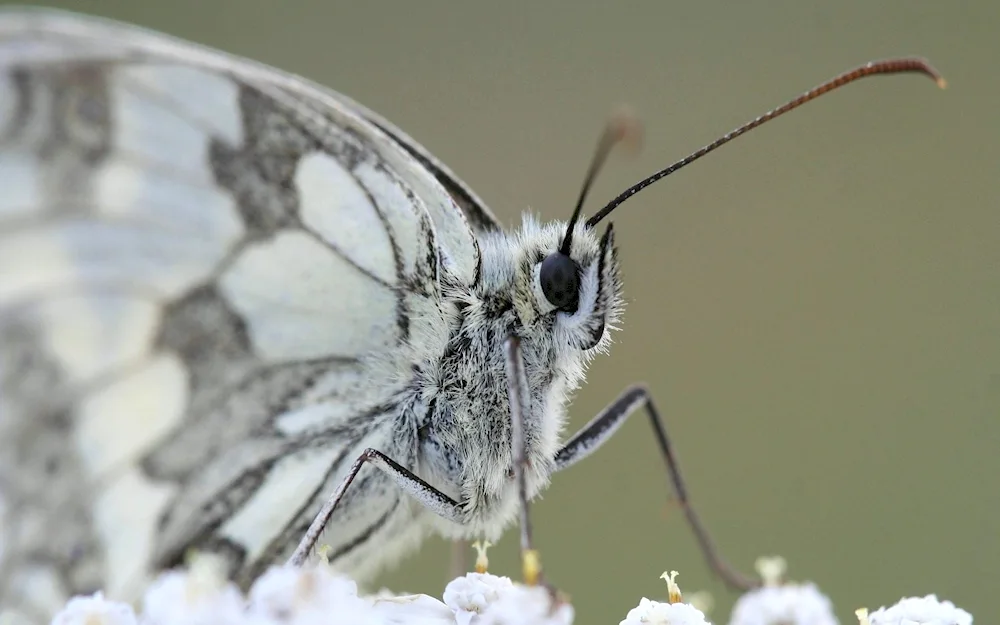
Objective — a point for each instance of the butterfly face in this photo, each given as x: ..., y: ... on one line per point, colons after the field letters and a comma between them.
x: 577, y: 296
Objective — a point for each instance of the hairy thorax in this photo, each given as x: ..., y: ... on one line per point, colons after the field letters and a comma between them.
x: 465, y: 439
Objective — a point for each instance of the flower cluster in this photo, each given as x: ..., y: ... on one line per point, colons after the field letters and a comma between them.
x: 316, y: 595
x: 778, y: 602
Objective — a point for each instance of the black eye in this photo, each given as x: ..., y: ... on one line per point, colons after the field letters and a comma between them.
x: 560, y: 281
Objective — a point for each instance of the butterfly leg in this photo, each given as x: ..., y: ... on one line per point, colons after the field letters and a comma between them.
x: 605, y: 424
x: 518, y: 395
x: 430, y: 497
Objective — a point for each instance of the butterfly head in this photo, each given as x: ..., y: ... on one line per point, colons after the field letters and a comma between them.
x: 576, y: 295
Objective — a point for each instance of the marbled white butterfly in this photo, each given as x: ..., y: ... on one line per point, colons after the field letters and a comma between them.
x: 224, y: 290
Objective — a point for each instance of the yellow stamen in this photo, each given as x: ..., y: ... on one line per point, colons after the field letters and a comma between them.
x: 190, y: 555
x: 531, y: 565
x: 862, y: 614
x: 771, y: 570
x: 206, y: 575
x: 481, y: 561
x: 324, y: 552
x: 673, y: 590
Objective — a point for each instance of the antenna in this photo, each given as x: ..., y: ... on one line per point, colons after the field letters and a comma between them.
x: 623, y: 125
x: 887, y: 66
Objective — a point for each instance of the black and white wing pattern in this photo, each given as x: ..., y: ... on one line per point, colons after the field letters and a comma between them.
x: 213, y: 280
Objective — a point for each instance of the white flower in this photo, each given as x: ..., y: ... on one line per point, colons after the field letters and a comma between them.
x: 308, y: 595
x: 662, y: 613
x: 527, y: 605
x: 486, y: 599
x: 672, y: 612
x: 470, y: 595
x: 192, y: 598
x: 95, y: 610
x: 781, y: 603
x: 927, y: 610
x: 791, y: 604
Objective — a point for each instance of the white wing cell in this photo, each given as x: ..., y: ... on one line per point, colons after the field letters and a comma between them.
x: 343, y: 213
x: 329, y: 308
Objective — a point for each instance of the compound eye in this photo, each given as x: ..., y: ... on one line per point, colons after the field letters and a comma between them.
x: 560, y: 280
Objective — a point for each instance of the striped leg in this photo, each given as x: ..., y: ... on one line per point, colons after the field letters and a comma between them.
x: 430, y: 497
x: 605, y: 424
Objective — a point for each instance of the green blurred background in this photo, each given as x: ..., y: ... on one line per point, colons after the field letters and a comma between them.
x: 816, y: 307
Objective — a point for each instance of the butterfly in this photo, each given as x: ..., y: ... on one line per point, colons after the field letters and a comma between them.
x: 241, y: 313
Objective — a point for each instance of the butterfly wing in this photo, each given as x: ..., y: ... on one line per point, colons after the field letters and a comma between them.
x: 214, y: 281
x: 477, y: 214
